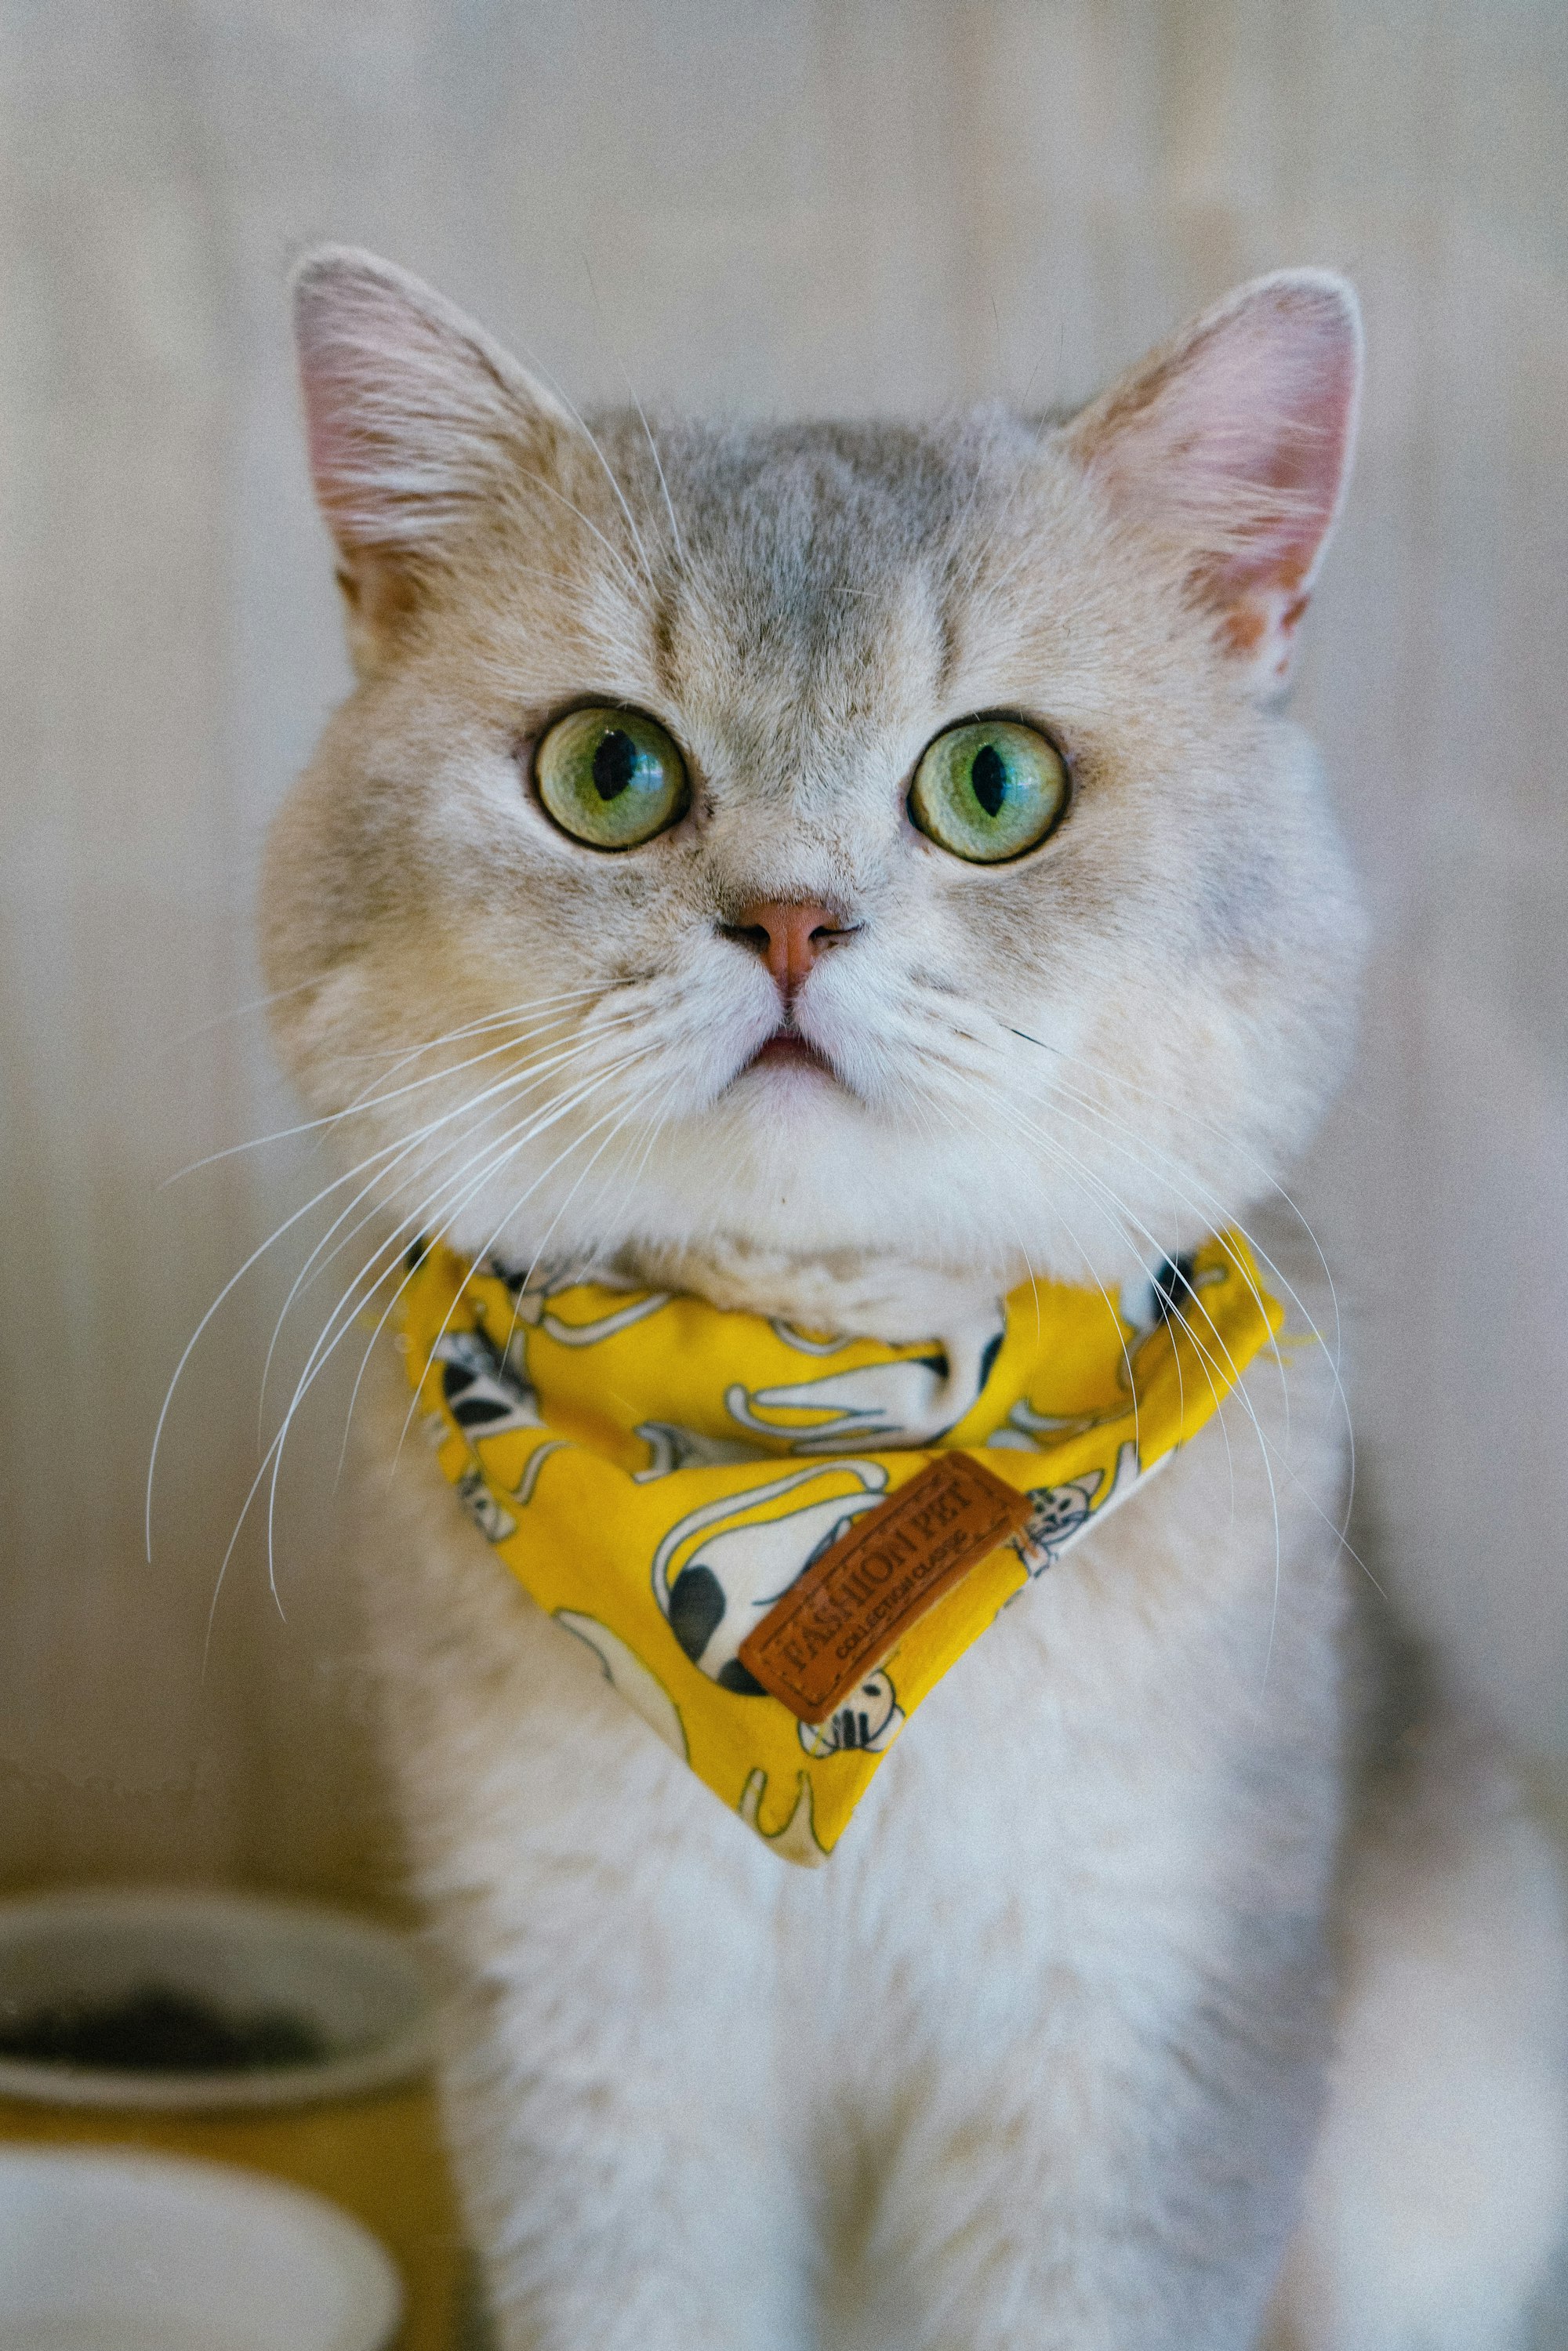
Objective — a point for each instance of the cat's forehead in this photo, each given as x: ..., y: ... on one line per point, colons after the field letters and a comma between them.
x: 779, y: 501
x: 830, y: 568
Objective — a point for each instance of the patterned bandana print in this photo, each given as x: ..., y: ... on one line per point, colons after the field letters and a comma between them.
x: 657, y: 1472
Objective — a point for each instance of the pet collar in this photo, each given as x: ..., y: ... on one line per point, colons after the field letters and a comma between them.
x: 670, y: 1480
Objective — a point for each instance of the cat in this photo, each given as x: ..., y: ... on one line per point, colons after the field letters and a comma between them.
x: 1183, y: 1982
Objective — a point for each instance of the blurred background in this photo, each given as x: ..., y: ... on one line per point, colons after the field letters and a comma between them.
x: 763, y: 205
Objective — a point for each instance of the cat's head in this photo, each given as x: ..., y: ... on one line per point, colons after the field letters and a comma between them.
x: 758, y: 849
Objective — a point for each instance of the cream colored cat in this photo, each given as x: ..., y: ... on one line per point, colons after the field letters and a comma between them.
x: 1179, y: 1983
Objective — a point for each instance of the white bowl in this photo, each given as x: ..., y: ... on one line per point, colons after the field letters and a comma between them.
x: 355, y: 1981
x: 149, y: 2252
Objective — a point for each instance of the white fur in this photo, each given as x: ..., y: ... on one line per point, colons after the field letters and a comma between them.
x: 1436, y: 2194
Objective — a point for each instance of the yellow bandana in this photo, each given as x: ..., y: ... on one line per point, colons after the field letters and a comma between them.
x: 657, y: 1472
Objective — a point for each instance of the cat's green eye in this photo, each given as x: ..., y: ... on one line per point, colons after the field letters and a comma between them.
x: 989, y: 790
x: 611, y: 778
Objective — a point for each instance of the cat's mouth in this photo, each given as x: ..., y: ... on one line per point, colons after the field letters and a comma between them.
x: 788, y: 1049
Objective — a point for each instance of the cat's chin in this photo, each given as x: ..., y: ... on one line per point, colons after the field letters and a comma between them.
x: 789, y: 1191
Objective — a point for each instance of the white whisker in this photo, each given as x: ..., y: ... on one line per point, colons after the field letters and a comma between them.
x: 641, y: 418
x: 512, y: 1088
x: 320, y: 1355
x: 1216, y: 1208
x: 1076, y: 1175
x: 362, y: 1103
x: 511, y: 1211
x: 506, y: 1149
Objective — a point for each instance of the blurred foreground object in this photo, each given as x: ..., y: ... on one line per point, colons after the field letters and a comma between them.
x: 321, y: 2020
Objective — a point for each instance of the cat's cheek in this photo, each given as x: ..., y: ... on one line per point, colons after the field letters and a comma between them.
x: 314, y: 1027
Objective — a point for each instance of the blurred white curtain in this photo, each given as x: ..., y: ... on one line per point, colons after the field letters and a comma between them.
x: 762, y: 204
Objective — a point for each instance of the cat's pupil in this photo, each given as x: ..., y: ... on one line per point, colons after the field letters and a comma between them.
x: 613, y: 764
x: 987, y: 777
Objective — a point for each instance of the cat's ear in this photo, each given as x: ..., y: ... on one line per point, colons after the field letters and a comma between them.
x: 412, y: 414
x: 1232, y: 445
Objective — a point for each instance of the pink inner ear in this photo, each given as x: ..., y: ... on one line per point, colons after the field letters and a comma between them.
x: 342, y: 451
x: 1236, y: 444
x: 405, y: 400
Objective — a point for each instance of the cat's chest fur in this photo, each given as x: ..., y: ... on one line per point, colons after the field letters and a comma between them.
x: 1140, y: 1753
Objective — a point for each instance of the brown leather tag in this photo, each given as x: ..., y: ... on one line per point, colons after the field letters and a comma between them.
x: 839, y: 1619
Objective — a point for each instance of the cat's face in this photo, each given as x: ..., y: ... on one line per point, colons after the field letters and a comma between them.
x: 792, y: 1024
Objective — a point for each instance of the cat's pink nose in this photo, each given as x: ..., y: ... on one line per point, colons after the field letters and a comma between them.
x: 789, y: 938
